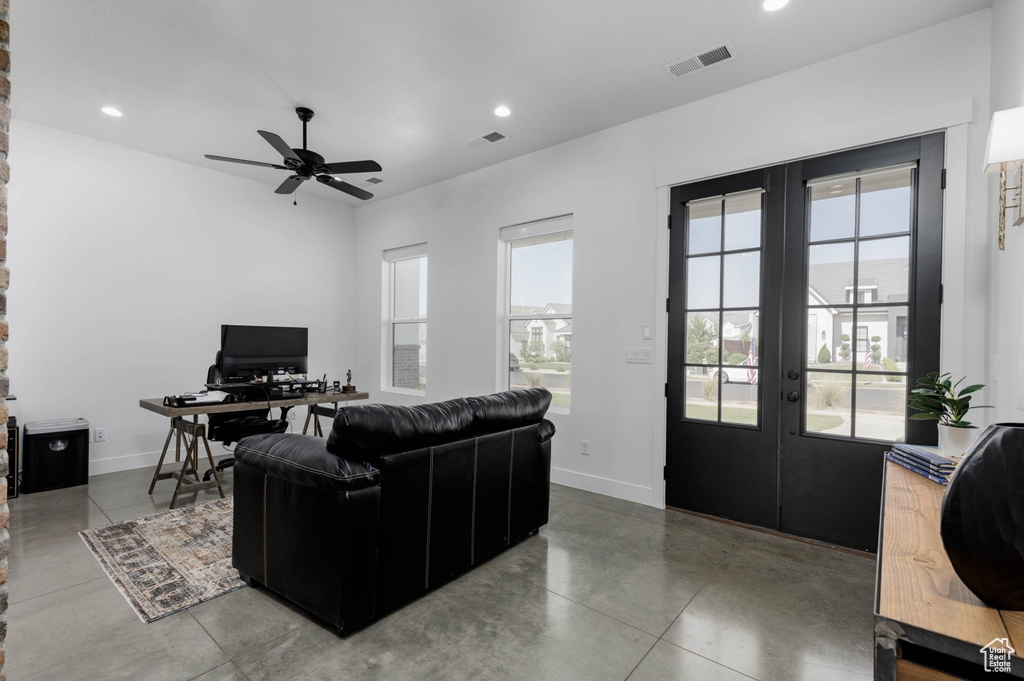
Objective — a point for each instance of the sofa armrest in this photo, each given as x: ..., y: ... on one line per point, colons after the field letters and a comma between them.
x: 303, y: 460
x: 545, y: 431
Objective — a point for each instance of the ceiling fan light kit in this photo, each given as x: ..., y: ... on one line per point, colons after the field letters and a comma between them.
x: 305, y: 164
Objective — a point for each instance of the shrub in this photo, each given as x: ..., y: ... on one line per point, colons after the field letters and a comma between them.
x: 831, y: 394
x: 710, y: 389
x: 534, y: 379
x: 824, y: 356
x: 844, y: 349
x: 890, y: 365
x: 533, y: 367
x: 737, y: 358
x: 560, y: 370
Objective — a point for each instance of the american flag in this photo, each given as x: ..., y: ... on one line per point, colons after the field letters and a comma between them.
x: 867, y: 360
x: 752, y: 362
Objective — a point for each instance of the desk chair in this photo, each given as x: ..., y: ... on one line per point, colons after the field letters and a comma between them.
x: 233, y: 426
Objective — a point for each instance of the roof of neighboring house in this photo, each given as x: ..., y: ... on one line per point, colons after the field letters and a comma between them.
x: 830, y: 283
x: 558, y: 308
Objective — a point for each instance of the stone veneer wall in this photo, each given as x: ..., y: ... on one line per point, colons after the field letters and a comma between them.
x: 5, y: 280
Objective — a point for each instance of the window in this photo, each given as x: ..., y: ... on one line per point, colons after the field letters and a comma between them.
x: 862, y: 339
x: 405, y: 332
x: 538, y: 308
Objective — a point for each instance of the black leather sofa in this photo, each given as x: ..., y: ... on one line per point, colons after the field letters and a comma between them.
x: 395, y: 502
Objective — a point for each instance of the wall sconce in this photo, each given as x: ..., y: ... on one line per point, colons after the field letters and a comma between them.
x: 1005, y: 154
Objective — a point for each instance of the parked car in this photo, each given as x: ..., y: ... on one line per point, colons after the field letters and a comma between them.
x: 513, y: 362
x: 734, y: 373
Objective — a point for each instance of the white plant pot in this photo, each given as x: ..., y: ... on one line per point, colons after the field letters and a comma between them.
x: 954, y: 442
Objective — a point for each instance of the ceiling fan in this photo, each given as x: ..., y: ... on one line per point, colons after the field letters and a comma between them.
x: 305, y: 164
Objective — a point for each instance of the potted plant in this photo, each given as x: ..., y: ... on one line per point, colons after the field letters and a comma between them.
x: 939, y: 399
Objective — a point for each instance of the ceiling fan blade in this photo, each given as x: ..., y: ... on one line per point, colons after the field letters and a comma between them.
x: 290, y: 185
x: 281, y: 146
x: 343, y: 186
x: 353, y: 167
x: 241, y: 160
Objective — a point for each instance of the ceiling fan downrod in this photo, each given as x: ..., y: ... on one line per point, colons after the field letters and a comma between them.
x: 305, y: 115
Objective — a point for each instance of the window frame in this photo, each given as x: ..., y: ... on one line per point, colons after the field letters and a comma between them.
x: 506, y: 236
x: 390, y: 258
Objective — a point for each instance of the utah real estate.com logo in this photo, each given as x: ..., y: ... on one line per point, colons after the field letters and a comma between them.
x: 997, y: 655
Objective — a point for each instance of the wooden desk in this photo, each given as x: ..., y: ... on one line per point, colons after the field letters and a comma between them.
x: 192, y: 433
x: 928, y: 624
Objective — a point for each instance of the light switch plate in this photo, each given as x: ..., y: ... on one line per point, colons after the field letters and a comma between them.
x: 648, y: 331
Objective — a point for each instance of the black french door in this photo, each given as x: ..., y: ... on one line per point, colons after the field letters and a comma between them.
x: 804, y: 301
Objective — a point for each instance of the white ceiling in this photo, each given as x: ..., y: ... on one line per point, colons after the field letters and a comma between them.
x: 405, y: 83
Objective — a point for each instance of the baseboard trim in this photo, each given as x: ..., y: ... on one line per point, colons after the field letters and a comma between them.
x: 123, y: 463
x: 606, y: 486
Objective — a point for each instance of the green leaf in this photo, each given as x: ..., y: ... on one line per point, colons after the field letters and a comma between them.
x: 971, y: 389
x: 924, y: 417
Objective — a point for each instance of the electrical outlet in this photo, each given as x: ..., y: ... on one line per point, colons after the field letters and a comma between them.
x: 585, y: 447
x: 99, y: 435
x: 292, y: 415
x: 647, y: 331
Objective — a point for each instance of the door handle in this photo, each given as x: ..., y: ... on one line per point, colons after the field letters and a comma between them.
x: 793, y: 374
x: 793, y: 397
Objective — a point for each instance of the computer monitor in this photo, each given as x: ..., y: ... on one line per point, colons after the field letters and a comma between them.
x: 250, y: 351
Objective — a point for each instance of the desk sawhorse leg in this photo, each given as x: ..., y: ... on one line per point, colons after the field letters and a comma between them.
x: 191, y: 432
x: 315, y: 411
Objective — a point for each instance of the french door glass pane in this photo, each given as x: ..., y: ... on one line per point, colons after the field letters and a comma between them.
x: 703, y: 336
x: 881, y: 407
x: 703, y: 282
x: 743, y: 221
x: 742, y: 280
x: 739, y: 337
x: 704, y: 231
x: 830, y: 274
x: 827, y: 408
x: 833, y: 210
x: 885, y: 334
x: 884, y: 270
x: 409, y: 356
x: 701, y: 398
x: 885, y: 206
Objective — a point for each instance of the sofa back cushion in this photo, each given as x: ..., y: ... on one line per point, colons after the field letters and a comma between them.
x: 368, y: 432
x: 508, y: 410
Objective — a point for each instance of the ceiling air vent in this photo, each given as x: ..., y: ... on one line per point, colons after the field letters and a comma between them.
x: 701, y: 60
x: 374, y: 180
x: 486, y: 139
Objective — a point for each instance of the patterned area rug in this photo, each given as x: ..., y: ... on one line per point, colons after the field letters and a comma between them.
x: 170, y: 560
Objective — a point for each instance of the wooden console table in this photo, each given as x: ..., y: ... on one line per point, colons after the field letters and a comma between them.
x: 191, y: 432
x: 928, y: 624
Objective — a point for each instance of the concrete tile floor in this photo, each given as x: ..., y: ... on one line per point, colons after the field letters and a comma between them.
x: 607, y: 590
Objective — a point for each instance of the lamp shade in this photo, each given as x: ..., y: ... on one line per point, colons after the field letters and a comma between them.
x: 1005, y: 139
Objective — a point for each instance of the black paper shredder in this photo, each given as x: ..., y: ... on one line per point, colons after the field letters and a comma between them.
x: 55, y: 454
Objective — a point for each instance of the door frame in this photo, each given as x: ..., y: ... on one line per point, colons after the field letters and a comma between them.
x: 924, y: 346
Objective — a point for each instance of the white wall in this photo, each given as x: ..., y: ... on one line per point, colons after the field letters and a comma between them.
x: 1006, y: 280
x: 609, y: 182
x: 126, y: 264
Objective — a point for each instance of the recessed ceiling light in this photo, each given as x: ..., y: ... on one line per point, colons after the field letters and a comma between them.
x: 772, y: 5
x: 111, y: 111
x: 503, y: 111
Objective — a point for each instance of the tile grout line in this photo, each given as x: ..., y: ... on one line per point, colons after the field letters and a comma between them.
x: 215, y: 642
x: 641, y: 661
x: 63, y: 588
x: 714, y: 662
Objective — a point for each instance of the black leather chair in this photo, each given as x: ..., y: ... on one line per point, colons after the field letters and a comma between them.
x: 396, y: 502
x: 233, y: 426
